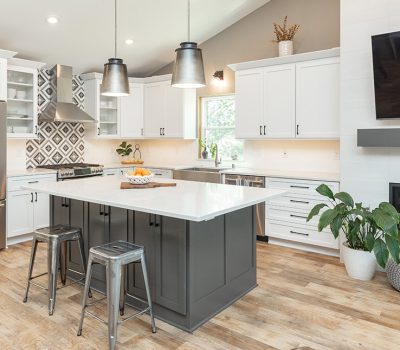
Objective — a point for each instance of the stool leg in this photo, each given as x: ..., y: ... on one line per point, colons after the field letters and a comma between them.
x: 52, y: 263
x: 63, y: 262
x: 113, y: 272
x: 85, y: 293
x: 31, y: 262
x: 122, y: 297
x: 83, y: 260
x: 146, y: 283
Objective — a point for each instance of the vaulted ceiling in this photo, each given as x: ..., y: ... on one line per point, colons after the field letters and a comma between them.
x: 84, y: 35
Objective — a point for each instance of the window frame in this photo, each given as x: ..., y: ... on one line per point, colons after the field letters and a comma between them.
x: 201, y: 114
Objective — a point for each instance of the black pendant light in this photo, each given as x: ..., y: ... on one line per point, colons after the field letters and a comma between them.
x: 115, y: 76
x: 188, y: 67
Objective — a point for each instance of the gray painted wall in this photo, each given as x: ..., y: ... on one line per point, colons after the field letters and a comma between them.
x: 252, y: 37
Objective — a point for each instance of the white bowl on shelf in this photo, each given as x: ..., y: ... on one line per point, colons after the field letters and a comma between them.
x: 139, y: 180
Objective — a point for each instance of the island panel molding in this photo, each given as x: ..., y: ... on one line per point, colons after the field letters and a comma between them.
x: 57, y: 142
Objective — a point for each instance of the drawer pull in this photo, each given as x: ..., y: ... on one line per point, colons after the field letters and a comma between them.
x: 297, y: 186
x: 110, y: 174
x: 299, y: 233
x: 33, y: 182
x: 298, y: 216
x: 296, y: 201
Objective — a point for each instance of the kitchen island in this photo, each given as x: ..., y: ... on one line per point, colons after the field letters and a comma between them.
x: 199, y: 239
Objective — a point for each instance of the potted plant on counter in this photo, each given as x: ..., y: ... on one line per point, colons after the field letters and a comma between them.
x: 124, y: 150
x: 371, y: 235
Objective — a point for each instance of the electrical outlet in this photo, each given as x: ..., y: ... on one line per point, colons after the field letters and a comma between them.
x: 285, y: 154
x: 336, y: 155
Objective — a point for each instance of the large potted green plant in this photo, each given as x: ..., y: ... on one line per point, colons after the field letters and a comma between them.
x: 370, y: 234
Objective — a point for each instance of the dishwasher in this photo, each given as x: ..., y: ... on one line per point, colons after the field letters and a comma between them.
x: 251, y: 181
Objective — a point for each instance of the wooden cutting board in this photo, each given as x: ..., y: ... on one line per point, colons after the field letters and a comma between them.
x: 128, y: 185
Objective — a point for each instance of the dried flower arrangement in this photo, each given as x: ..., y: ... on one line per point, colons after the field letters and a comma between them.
x: 284, y: 34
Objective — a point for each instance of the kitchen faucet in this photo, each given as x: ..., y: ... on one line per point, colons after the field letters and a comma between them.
x: 216, y: 160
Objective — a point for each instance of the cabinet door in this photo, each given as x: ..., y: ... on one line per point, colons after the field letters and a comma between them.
x: 131, y: 112
x: 60, y: 207
x: 154, y: 103
x: 280, y: 101
x: 317, y: 99
x: 249, y: 104
x: 98, y: 234
x: 144, y: 235
x: 19, y: 213
x: 173, y: 117
x: 41, y: 210
x: 170, y: 263
x: 3, y: 79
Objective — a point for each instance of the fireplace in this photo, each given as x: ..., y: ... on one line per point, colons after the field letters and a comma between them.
x: 394, y: 195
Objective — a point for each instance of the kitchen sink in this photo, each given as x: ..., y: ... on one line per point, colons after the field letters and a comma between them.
x: 201, y: 174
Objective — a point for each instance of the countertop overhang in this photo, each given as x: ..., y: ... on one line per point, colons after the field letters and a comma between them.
x: 189, y: 200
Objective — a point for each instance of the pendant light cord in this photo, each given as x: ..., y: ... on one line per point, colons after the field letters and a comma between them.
x: 188, y: 20
x: 115, y: 28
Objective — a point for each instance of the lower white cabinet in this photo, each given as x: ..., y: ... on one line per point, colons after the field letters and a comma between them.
x: 286, y: 216
x: 26, y: 210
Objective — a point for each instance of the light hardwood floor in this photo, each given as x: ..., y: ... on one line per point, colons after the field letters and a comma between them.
x: 303, y: 301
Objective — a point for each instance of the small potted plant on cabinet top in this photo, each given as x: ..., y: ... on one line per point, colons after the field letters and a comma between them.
x: 284, y: 37
x: 371, y: 235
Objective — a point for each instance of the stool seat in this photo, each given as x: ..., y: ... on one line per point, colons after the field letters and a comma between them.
x: 56, y: 238
x: 115, y: 256
x: 60, y: 232
x: 124, y: 251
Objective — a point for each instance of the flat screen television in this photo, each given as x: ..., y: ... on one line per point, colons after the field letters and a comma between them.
x: 386, y: 63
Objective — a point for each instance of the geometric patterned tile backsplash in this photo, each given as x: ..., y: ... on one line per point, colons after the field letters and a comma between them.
x: 57, y: 142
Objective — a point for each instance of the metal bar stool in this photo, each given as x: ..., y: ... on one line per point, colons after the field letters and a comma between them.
x: 116, y: 256
x: 56, y: 238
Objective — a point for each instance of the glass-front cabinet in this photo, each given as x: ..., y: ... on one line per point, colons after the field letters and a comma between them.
x: 108, y: 116
x: 22, y: 104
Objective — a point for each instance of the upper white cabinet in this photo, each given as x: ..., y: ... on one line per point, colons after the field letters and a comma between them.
x: 131, y: 110
x: 153, y: 109
x: 296, y: 99
x: 22, y: 104
x: 317, y: 98
x: 117, y: 117
x: 3, y: 79
x: 169, y: 112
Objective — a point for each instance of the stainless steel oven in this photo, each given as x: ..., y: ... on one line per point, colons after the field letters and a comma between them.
x: 251, y: 181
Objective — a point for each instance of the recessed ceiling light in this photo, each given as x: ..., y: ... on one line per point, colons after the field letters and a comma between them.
x: 128, y: 41
x: 52, y: 20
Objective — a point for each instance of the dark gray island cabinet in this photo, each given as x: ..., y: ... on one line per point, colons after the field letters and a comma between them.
x: 196, y: 268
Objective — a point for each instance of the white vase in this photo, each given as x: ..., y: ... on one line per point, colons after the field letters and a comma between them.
x: 285, y: 48
x: 360, y: 265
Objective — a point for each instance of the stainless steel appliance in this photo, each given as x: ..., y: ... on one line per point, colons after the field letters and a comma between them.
x: 3, y: 173
x: 251, y: 181
x: 75, y: 170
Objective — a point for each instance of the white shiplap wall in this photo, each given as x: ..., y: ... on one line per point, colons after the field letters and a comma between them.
x: 365, y: 172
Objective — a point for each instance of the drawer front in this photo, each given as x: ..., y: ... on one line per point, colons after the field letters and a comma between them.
x: 282, y: 230
x: 293, y: 202
x: 300, y: 187
x: 163, y: 173
x: 111, y: 172
x: 17, y: 183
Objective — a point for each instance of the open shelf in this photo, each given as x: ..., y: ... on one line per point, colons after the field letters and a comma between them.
x: 15, y: 83
x: 19, y: 100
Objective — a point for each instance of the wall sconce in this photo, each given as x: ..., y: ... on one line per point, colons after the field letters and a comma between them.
x: 218, y: 78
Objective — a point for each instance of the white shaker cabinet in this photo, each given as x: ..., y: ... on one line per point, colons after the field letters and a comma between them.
x: 317, y: 99
x: 249, y: 104
x: 154, y: 102
x: 279, y: 101
x: 27, y: 210
x: 288, y: 97
x: 131, y: 112
x: 169, y: 112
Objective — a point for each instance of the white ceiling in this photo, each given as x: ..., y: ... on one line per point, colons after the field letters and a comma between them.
x: 84, y: 36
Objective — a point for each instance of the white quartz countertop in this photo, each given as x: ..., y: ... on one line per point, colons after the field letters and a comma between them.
x: 189, y: 200
x: 29, y: 172
x: 301, y: 175
x: 146, y: 165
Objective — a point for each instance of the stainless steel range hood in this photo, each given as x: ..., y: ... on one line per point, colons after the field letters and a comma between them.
x: 61, y: 108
